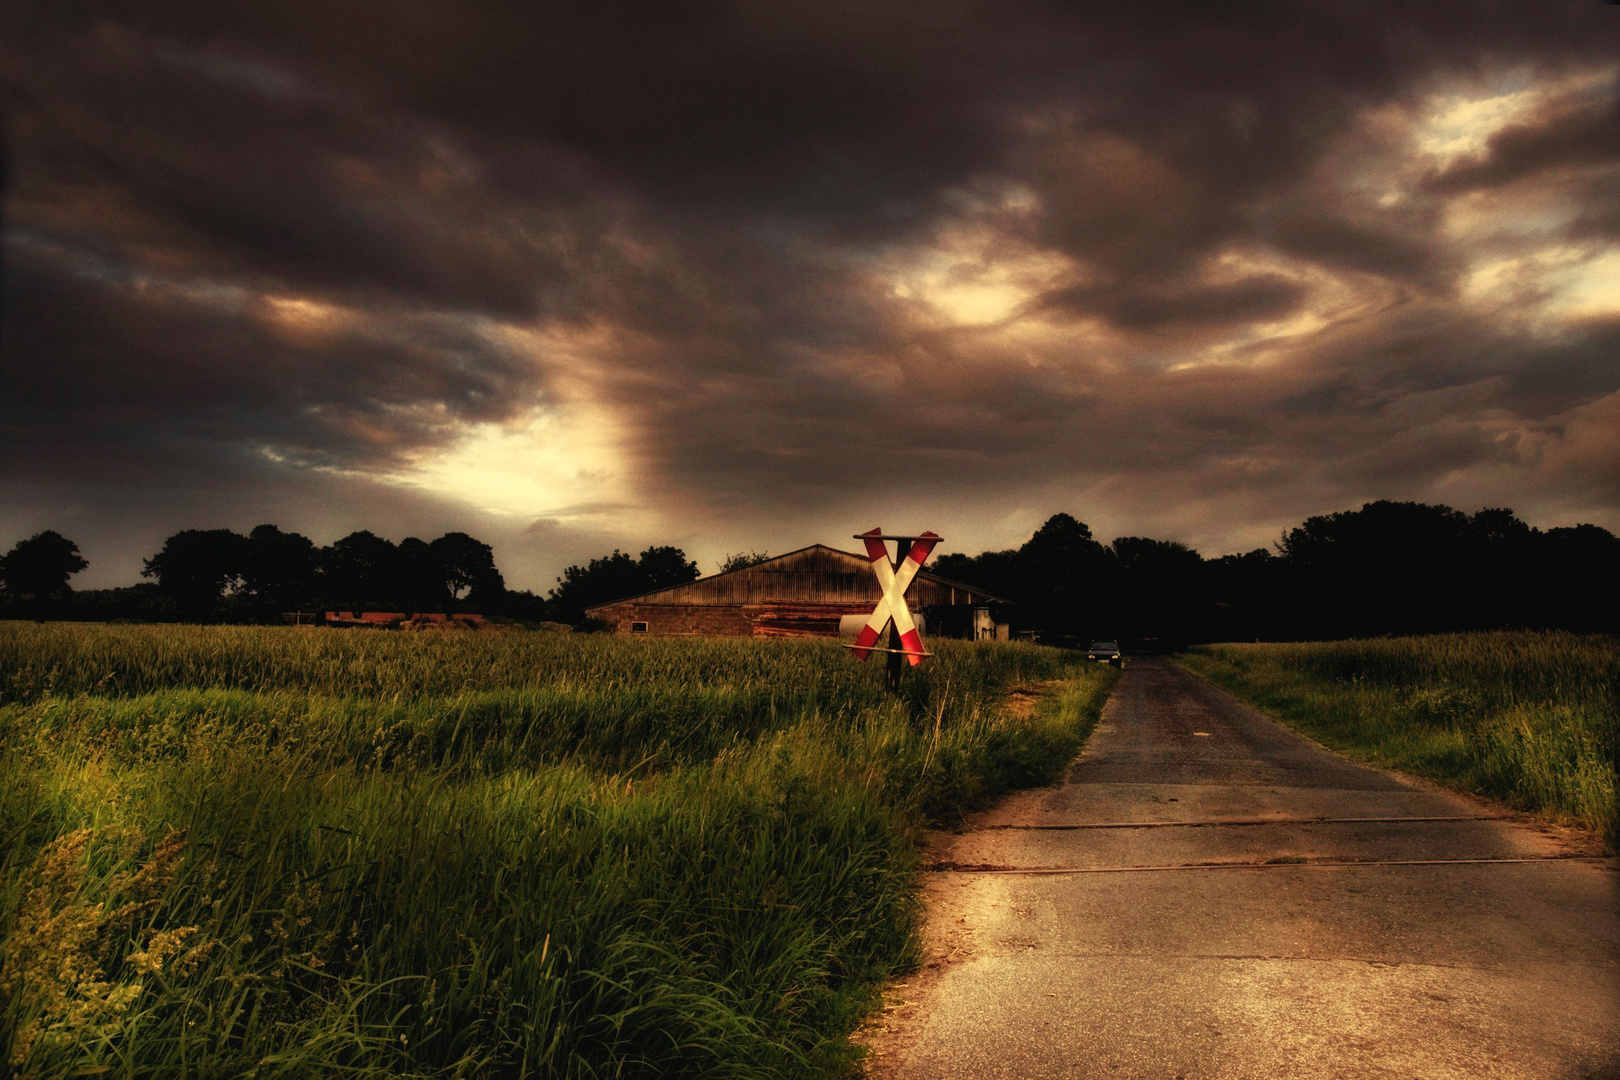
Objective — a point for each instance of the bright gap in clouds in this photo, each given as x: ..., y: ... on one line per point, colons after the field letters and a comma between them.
x: 1591, y: 287
x: 528, y: 468
x: 560, y: 460
x: 1524, y: 265
x: 973, y: 273
x: 1460, y: 123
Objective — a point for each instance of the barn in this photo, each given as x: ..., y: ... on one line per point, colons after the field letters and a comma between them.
x: 806, y: 593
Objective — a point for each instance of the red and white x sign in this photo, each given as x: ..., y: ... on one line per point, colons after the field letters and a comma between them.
x: 894, y: 582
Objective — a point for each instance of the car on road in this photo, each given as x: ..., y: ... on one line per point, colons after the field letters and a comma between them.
x: 1106, y: 652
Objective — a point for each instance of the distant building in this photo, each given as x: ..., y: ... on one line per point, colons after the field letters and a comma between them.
x: 816, y: 591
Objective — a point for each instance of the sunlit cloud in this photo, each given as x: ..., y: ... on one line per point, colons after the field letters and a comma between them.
x: 304, y: 322
x: 526, y: 469
x: 976, y: 275
x: 1589, y: 287
x: 1459, y: 123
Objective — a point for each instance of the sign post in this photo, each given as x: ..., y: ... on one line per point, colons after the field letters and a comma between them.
x: 891, y: 613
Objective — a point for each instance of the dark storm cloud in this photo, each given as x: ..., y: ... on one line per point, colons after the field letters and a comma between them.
x: 141, y: 146
x: 1024, y: 251
x: 1258, y: 297
x: 148, y: 377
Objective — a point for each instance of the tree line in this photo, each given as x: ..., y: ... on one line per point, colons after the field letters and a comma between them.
x: 1387, y: 568
x: 218, y: 574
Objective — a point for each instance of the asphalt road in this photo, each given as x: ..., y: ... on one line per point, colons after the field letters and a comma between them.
x: 1410, y: 964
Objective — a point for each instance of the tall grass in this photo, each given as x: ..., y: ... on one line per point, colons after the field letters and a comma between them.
x: 232, y: 852
x: 1531, y: 718
x: 64, y: 659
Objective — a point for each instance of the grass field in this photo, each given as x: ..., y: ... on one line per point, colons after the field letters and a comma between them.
x: 1530, y: 718
x: 281, y: 852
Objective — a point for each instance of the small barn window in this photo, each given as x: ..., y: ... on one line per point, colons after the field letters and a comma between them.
x: 638, y: 627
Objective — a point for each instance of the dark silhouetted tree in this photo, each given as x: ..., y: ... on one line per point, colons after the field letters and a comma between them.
x: 618, y: 576
x: 1584, y: 590
x: 1381, y: 526
x: 1161, y: 595
x: 1069, y: 586
x: 41, y: 565
x: 468, y: 568
x: 419, y: 578
x: 360, y: 571
x: 197, y: 566
x: 1139, y: 555
x: 1062, y: 580
x: 610, y: 577
x: 529, y: 606
x: 1244, y: 591
x: 1498, y: 528
x: 279, y: 569
x: 662, y: 567
x: 1405, y: 567
x: 1591, y: 541
x: 995, y: 572
x: 1386, y: 568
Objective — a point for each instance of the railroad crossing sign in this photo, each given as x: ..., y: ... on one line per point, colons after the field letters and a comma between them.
x: 891, y: 612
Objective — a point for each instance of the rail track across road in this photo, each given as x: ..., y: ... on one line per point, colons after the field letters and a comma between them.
x: 1208, y: 894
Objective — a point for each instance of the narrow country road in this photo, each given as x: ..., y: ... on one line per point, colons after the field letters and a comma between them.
x: 1415, y: 963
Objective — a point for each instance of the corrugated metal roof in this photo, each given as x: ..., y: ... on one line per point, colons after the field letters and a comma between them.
x: 817, y: 573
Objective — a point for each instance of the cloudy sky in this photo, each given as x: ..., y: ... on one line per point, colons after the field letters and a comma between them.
x: 571, y: 276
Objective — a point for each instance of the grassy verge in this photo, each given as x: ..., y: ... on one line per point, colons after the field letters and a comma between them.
x: 1530, y: 718
x: 258, y: 852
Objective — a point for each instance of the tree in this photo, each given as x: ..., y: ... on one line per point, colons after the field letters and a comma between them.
x: 196, y: 566
x: 419, y: 578
x: 662, y: 567
x: 610, y: 577
x: 742, y: 560
x: 1068, y: 579
x: 41, y: 565
x: 1498, y: 527
x: 1386, y: 568
x: 361, y: 570
x: 617, y: 576
x: 1061, y: 533
x: 279, y: 569
x: 1162, y: 589
x: 1585, y: 592
x: 1151, y: 558
x: 993, y: 571
x: 467, y: 565
x: 1244, y: 591
x: 528, y: 606
x: 1061, y: 578
x: 1381, y: 526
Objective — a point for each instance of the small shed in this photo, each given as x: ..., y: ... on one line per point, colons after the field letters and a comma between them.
x: 805, y: 593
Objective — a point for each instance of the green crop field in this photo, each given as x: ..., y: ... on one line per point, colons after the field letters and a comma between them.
x: 292, y: 852
x: 1530, y: 718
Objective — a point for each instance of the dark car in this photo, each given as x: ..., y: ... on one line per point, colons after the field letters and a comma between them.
x: 1106, y: 652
